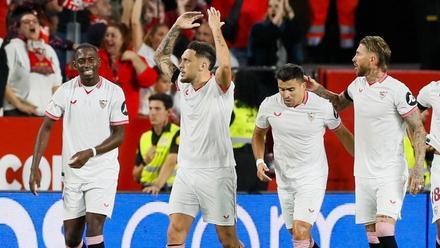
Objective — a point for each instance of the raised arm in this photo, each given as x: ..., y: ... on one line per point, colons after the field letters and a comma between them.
x: 40, y: 147
x: 414, y: 122
x: 340, y: 102
x: 223, y: 74
x: 162, y: 55
x: 137, y: 33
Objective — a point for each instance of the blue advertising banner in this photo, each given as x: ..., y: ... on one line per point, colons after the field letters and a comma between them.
x: 140, y: 220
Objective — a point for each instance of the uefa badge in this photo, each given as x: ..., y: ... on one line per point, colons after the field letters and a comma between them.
x: 103, y: 103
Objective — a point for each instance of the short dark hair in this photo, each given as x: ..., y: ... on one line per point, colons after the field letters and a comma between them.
x: 85, y: 46
x: 166, y: 99
x: 290, y: 71
x: 205, y: 50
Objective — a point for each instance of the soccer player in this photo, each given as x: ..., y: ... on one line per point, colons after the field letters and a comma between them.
x: 206, y: 178
x: 382, y: 104
x: 429, y: 98
x: 93, y: 111
x: 298, y: 119
x: 157, y: 153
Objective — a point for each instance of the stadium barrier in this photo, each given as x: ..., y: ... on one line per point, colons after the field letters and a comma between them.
x: 140, y: 220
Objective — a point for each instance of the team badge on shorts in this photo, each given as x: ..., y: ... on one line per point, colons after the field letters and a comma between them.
x: 103, y: 103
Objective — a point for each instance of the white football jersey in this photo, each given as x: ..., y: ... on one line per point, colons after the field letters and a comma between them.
x: 429, y: 97
x: 298, y: 135
x: 205, y: 141
x: 87, y: 120
x: 379, y: 128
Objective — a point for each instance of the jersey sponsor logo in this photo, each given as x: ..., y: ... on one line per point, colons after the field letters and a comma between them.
x: 277, y: 113
x: 103, y: 103
x: 73, y: 101
x: 124, y: 108
x: 410, y: 99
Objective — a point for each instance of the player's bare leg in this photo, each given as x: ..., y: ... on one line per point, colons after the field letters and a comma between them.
x: 301, y: 233
x: 385, y: 228
x: 94, y: 233
x: 373, y: 240
x: 178, y: 229
x: 228, y: 236
x: 73, y: 232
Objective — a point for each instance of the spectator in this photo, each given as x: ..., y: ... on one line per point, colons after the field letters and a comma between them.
x: 123, y: 66
x: 187, y: 34
x: 146, y: 45
x: 99, y: 17
x: 248, y: 12
x: 156, y: 160
x: 34, y: 72
x: 154, y: 13
x: 162, y: 86
x: 346, y: 17
x: 279, y: 27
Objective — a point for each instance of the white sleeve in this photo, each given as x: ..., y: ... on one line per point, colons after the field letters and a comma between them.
x: 331, y: 116
x: 404, y: 101
x: 118, y: 111
x: 262, y: 116
x: 57, y: 105
x: 423, y: 97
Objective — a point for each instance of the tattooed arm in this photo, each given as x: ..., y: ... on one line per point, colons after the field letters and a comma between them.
x: 414, y: 122
x: 340, y: 102
x: 223, y: 74
x: 162, y: 55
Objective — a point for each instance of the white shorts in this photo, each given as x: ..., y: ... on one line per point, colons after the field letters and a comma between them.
x: 213, y: 191
x: 379, y: 196
x: 95, y: 197
x: 435, y: 188
x: 303, y: 202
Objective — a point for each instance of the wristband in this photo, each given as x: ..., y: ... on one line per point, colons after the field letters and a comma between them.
x: 94, y: 151
x: 260, y: 161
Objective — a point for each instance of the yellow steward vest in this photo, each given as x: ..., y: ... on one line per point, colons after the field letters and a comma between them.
x: 152, y: 169
x: 243, y: 126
